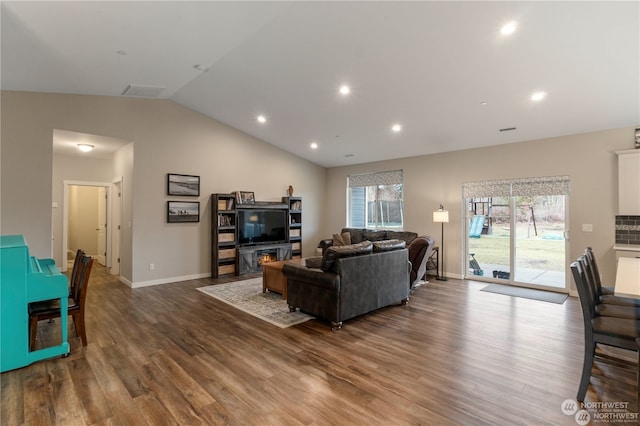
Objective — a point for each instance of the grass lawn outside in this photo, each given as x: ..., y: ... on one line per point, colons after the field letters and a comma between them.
x: 545, y: 251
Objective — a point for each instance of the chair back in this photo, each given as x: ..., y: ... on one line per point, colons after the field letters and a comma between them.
x: 584, y: 293
x: 82, y: 281
x: 591, y: 258
x: 74, y: 271
x: 589, y: 275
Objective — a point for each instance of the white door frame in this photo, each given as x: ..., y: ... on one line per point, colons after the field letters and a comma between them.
x: 114, y: 214
x: 65, y: 215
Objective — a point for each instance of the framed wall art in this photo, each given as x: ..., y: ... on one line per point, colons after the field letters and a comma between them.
x: 183, y: 185
x: 183, y: 211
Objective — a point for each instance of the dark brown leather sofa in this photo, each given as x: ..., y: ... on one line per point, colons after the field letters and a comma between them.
x: 350, y: 280
x: 420, y: 247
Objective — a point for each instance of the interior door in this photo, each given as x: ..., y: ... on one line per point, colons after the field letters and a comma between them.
x: 102, y: 225
x: 116, y: 225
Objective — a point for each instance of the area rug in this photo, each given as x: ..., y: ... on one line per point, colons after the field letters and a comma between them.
x: 247, y: 296
x: 527, y: 293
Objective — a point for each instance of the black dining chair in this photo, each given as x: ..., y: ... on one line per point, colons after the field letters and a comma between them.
x: 604, y: 294
x: 609, y: 305
x: 599, y: 329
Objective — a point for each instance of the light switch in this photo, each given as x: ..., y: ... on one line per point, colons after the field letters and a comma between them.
x: 587, y: 227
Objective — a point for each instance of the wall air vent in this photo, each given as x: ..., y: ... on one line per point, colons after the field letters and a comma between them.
x: 138, y: 91
x: 507, y: 129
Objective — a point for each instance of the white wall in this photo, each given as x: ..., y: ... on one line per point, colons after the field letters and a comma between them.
x: 167, y: 138
x: 431, y: 180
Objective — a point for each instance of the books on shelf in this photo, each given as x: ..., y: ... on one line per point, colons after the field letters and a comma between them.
x: 224, y: 220
x: 296, y: 205
x: 226, y: 204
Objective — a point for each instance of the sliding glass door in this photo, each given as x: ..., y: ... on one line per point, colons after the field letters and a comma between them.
x: 517, y: 231
x: 540, y: 240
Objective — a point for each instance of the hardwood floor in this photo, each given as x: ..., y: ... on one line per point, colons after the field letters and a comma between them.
x: 453, y: 356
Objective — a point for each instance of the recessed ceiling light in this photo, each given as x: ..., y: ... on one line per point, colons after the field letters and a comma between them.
x: 483, y: 103
x: 262, y: 119
x: 121, y: 52
x: 85, y: 147
x: 348, y: 155
x: 509, y: 28
x: 538, y: 96
x: 345, y: 90
x: 396, y: 128
x: 314, y: 145
x: 201, y: 67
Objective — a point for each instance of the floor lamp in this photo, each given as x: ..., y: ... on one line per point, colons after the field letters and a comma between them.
x: 441, y: 216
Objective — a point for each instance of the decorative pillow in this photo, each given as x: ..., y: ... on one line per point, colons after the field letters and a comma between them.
x: 388, y: 245
x: 343, y: 239
x: 356, y: 234
x: 313, y: 262
x: 338, y: 252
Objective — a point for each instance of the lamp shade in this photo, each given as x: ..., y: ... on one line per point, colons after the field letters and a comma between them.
x: 441, y: 216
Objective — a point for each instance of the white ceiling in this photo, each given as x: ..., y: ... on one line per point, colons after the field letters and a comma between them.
x: 425, y: 65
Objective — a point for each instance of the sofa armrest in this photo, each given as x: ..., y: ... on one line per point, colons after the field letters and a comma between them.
x: 325, y: 244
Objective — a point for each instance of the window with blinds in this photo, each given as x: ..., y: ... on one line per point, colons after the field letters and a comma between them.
x: 375, y: 200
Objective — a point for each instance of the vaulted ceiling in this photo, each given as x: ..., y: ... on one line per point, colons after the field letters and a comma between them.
x: 443, y: 71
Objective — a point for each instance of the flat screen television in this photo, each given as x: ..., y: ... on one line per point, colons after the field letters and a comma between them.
x: 257, y: 226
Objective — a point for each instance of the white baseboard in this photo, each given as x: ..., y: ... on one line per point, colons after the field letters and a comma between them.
x: 169, y: 280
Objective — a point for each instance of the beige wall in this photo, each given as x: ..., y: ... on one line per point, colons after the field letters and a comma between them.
x: 167, y: 138
x: 588, y: 159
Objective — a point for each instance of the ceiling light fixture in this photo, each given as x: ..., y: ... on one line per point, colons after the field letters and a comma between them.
x: 262, y: 119
x: 314, y: 145
x: 538, y: 96
x: 85, y: 147
x: 483, y: 103
x: 396, y: 128
x: 345, y: 90
x: 202, y: 68
x: 509, y: 28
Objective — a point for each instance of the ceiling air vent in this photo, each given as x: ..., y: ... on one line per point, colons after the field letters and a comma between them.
x: 507, y: 129
x: 138, y: 91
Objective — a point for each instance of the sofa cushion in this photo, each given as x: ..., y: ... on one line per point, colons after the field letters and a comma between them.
x: 388, y: 245
x: 338, y: 252
x: 372, y: 235
x: 343, y: 239
x: 405, y: 236
x: 313, y: 262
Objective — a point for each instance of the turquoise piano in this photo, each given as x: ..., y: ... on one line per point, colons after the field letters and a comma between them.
x: 25, y: 279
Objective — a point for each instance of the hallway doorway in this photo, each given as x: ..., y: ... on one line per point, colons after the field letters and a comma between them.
x: 86, y: 219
